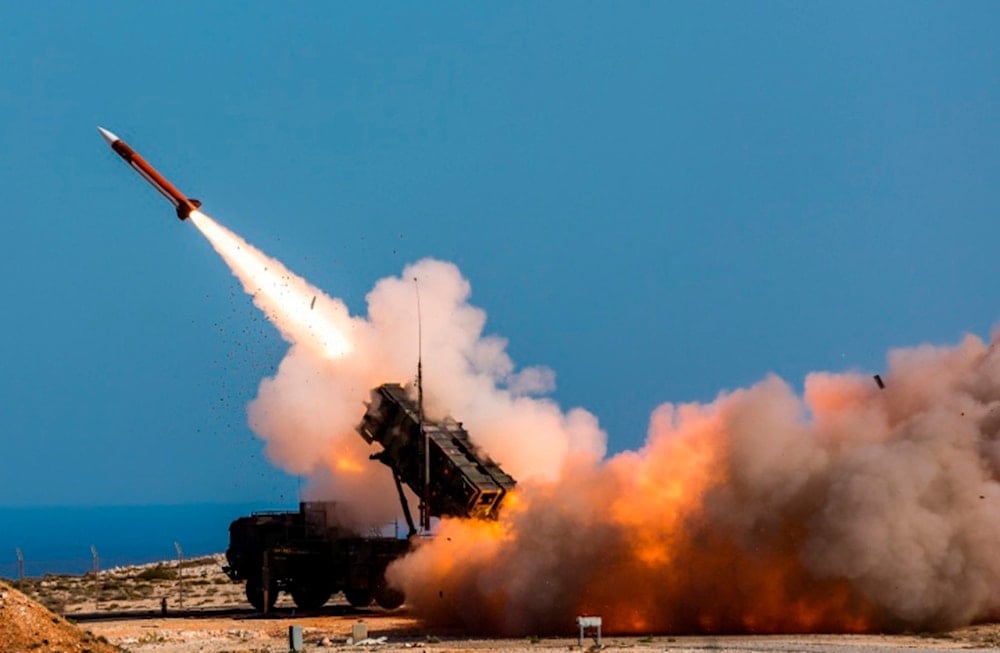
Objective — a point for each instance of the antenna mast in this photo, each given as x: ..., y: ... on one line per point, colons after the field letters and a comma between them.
x: 425, y: 506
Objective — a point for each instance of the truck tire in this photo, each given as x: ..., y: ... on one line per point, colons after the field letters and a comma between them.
x: 359, y: 598
x: 310, y: 597
x: 387, y: 597
x: 255, y: 594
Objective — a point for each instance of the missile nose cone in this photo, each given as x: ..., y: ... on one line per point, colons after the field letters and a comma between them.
x: 109, y: 138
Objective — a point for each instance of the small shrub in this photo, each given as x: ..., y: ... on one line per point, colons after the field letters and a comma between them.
x: 197, y: 562
x: 159, y: 572
x: 152, y: 637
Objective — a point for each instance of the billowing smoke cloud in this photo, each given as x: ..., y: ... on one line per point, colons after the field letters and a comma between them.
x: 849, y: 508
x: 307, y: 412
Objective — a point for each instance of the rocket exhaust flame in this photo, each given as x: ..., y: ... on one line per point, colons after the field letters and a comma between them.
x: 851, y: 508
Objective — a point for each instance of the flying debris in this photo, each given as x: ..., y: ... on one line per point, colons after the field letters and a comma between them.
x: 183, y: 204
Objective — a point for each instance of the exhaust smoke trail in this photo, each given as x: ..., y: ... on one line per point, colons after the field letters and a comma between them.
x: 287, y: 300
x: 848, y: 509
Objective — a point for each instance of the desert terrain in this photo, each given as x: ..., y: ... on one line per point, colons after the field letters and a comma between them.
x: 206, y: 613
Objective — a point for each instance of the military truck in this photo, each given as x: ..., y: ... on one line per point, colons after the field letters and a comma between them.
x: 311, y: 555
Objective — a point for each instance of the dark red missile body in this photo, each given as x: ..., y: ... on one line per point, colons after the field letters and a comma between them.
x: 181, y: 202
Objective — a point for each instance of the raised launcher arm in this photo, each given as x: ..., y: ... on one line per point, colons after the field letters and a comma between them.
x: 463, y: 481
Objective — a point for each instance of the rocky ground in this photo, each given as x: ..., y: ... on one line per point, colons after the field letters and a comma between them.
x: 25, y: 625
x: 121, y: 610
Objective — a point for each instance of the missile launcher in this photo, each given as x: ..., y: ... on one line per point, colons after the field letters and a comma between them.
x: 311, y: 555
x: 460, y: 480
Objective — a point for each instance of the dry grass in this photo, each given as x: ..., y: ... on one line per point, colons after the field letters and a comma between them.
x: 196, y: 582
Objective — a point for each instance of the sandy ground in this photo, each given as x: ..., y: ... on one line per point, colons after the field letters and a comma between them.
x: 404, y: 634
x: 250, y: 633
x: 209, y: 614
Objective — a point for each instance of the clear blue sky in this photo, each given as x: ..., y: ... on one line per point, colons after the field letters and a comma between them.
x: 658, y: 202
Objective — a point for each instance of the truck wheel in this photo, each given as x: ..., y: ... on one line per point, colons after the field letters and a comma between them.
x: 308, y: 597
x: 255, y: 594
x: 358, y: 598
x: 387, y: 597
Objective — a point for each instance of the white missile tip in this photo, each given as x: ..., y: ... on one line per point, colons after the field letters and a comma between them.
x: 108, y: 136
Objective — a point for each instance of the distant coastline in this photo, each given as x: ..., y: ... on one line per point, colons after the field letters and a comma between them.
x: 57, y: 539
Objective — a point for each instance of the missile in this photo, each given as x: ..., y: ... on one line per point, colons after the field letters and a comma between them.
x: 181, y: 202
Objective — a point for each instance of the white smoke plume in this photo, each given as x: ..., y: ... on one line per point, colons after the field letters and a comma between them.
x: 307, y: 412
x: 850, y: 508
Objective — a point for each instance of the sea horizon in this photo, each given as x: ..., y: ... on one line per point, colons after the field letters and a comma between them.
x: 58, y: 539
